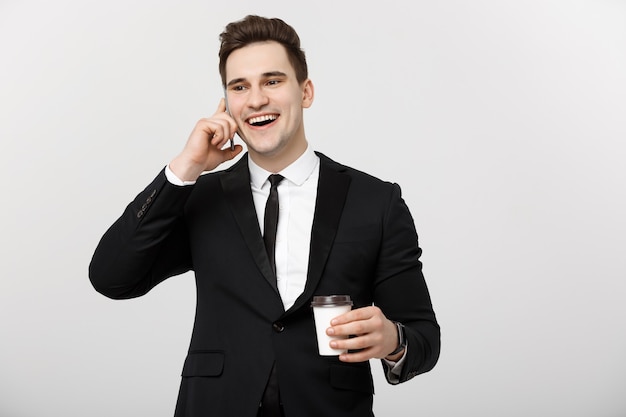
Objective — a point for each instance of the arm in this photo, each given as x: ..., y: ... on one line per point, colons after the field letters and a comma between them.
x: 400, y: 294
x: 145, y: 245
x: 148, y: 243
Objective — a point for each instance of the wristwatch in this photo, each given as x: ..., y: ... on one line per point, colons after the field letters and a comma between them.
x: 401, y: 339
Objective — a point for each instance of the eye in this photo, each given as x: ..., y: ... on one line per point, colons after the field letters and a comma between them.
x: 238, y: 88
x: 273, y: 82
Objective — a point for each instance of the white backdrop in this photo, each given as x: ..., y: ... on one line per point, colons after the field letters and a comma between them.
x: 504, y: 123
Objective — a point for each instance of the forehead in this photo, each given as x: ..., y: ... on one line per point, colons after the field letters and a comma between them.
x: 256, y: 59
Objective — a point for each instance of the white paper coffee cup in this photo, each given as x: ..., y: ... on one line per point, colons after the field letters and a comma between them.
x: 326, y: 308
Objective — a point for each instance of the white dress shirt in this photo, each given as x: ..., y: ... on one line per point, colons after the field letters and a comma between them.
x: 296, y: 201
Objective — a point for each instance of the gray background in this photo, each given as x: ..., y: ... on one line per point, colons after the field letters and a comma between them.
x: 502, y: 121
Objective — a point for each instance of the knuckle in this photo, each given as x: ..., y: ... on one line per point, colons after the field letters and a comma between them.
x: 359, y: 328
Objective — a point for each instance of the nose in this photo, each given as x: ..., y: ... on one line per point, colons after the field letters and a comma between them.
x: 257, y: 98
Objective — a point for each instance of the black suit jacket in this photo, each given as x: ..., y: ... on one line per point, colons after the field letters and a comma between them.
x: 363, y: 243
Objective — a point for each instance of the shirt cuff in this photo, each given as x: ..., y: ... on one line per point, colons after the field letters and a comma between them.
x: 395, y: 368
x: 172, y: 178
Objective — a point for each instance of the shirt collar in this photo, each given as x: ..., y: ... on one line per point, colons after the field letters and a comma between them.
x: 297, y: 172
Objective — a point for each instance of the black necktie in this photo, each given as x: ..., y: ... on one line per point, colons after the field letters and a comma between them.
x: 270, y: 403
x: 271, y: 220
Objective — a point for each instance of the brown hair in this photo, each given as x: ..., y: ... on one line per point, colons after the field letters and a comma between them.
x: 253, y: 29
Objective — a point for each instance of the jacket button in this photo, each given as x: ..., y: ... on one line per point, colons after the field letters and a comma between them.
x: 278, y: 327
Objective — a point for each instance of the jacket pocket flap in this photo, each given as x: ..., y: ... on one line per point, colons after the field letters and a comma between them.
x: 204, y: 364
x: 351, y: 378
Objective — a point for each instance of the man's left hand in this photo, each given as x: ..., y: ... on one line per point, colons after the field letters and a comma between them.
x: 374, y: 336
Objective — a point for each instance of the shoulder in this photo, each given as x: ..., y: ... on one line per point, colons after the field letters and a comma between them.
x: 238, y: 170
x: 358, y: 177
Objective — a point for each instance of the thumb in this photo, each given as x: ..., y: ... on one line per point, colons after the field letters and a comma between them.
x: 229, y: 154
x: 218, y: 157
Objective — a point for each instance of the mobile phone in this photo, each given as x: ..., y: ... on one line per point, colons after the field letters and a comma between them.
x: 232, y: 141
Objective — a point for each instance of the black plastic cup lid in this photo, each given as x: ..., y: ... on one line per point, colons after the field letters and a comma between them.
x: 331, y: 300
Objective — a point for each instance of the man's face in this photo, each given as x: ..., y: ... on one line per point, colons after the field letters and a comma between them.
x: 266, y: 100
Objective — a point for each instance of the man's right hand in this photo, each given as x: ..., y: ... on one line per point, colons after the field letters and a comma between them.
x: 205, y: 149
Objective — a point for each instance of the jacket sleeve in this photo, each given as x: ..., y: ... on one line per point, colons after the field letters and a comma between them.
x: 128, y: 260
x: 401, y: 290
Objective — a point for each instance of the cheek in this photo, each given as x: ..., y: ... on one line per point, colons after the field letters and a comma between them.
x: 235, y: 105
x: 234, y: 109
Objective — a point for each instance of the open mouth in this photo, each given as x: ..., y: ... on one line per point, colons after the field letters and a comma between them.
x: 262, y: 120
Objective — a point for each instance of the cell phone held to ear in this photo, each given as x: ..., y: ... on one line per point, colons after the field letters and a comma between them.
x: 232, y: 141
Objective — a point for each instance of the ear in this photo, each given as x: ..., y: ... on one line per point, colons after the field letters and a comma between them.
x: 308, y: 93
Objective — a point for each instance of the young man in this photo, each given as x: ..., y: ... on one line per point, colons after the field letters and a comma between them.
x: 254, y: 350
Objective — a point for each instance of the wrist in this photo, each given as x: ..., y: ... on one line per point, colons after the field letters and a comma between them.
x: 184, y: 170
x: 401, y: 341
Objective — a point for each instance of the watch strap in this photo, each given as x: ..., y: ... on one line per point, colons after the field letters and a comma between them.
x: 401, y: 339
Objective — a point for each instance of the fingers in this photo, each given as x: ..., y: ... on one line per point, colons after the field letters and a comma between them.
x: 372, y: 335
x: 360, y: 356
x: 363, y: 333
x: 223, y: 155
x: 223, y: 125
x: 217, y: 129
x: 358, y: 314
x: 221, y: 133
x: 221, y: 107
x: 361, y: 348
x: 206, y: 147
x: 231, y: 153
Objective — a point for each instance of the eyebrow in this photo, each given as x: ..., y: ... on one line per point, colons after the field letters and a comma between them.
x: 269, y: 74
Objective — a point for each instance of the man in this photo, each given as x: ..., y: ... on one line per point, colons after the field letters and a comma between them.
x: 254, y: 350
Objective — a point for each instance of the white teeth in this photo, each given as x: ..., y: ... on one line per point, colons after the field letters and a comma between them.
x: 260, y: 119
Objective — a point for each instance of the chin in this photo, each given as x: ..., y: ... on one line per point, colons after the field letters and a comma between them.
x: 266, y: 149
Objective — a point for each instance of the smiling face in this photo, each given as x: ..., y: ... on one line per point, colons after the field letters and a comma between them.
x: 267, y: 102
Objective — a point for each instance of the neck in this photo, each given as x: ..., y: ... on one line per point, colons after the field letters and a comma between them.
x: 280, y: 160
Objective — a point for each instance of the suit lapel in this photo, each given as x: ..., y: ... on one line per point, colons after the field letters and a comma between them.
x: 332, y: 190
x: 236, y: 185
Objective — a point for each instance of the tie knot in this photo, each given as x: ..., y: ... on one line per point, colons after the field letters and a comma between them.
x: 275, y: 179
